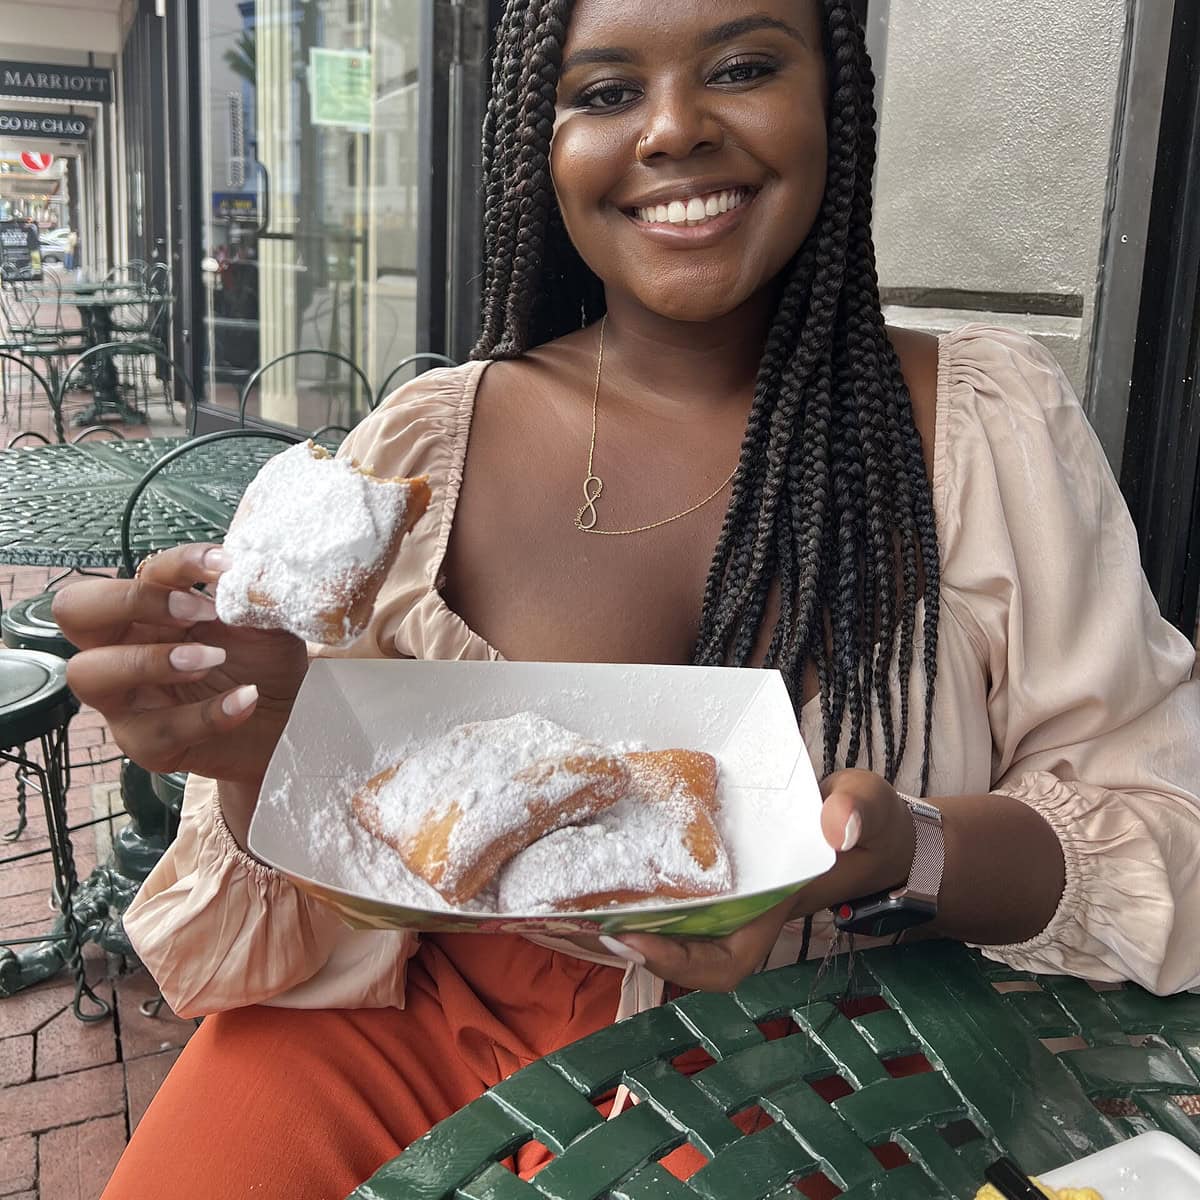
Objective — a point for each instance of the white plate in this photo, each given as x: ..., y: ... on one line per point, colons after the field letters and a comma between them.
x: 1151, y: 1166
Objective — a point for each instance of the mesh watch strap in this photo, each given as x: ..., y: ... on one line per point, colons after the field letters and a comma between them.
x: 929, y: 854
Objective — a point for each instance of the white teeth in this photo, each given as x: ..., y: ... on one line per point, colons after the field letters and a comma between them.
x: 694, y: 211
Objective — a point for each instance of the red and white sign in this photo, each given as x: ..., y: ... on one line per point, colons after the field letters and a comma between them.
x: 39, y: 164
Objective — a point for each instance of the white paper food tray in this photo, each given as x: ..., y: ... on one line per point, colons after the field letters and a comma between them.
x: 348, y: 711
x: 1151, y: 1166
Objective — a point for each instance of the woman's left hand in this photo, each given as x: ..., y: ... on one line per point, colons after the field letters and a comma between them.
x: 871, y: 829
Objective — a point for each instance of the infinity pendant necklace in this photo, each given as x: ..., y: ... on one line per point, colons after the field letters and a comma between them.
x: 593, y: 486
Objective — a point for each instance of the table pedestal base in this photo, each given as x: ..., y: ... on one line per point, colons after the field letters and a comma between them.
x: 96, y: 917
x: 97, y: 905
x: 99, y: 410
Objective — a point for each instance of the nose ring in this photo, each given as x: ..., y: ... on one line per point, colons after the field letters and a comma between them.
x: 641, y: 148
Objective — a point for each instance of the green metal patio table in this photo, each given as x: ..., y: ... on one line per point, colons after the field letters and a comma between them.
x: 60, y: 505
x: 96, y: 300
x: 900, y: 1083
x: 96, y: 309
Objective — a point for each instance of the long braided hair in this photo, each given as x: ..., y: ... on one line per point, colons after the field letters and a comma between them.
x: 831, y: 501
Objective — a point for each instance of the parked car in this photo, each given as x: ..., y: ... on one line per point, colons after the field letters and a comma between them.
x: 54, y: 245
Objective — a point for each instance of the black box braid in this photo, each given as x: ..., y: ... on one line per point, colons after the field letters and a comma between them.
x: 831, y: 501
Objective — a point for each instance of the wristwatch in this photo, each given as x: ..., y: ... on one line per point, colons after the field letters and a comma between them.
x: 916, y: 902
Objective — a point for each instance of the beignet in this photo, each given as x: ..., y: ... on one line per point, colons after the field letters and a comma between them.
x: 457, y: 809
x: 311, y: 542
x: 660, y: 842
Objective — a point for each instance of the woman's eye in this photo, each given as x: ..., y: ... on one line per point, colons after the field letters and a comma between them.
x: 606, y: 95
x: 743, y: 72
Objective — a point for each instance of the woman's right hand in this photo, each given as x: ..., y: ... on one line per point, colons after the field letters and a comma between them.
x: 180, y: 690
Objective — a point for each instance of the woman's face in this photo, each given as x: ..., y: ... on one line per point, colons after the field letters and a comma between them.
x: 689, y: 150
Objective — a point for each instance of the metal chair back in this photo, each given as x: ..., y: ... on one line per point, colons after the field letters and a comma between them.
x: 32, y: 371
x: 91, y: 432
x: 128, y: 562
x: 440, y: 359
x: 40, y: 380
x: 330, y: 355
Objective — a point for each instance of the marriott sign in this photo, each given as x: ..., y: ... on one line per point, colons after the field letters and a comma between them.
x: 55, y: 81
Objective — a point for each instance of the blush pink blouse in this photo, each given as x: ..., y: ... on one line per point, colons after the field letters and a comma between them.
x: 1058, y: 683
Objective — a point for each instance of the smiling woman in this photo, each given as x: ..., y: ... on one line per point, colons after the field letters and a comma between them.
x: 680, y: 305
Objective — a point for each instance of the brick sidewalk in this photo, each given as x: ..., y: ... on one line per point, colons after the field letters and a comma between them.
x: 70, y: 1093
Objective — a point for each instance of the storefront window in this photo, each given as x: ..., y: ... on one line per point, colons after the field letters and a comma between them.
x: 310, y: 178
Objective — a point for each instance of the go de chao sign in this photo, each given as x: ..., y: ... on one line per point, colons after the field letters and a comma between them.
x: 54, y: 81
x: 48, y: 126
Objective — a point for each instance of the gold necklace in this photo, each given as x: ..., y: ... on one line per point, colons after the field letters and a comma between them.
x: 593, y: 485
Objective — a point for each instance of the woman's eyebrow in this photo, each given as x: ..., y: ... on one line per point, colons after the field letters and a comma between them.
x: 598, y: 54
x: 743, y: 25
x: 711, y: 37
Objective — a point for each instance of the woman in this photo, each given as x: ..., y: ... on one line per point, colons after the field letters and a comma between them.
x: 923, y: 536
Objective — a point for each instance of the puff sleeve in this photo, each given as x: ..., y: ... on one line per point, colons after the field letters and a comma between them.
x: 217, y: 928
x: 1092, y: 704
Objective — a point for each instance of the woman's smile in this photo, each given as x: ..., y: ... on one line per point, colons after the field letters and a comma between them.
x: 693, y: 218
x: 691, y: 204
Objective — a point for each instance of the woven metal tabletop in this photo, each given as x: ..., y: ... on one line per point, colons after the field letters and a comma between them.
x: 902, y: 1087
x: 61, y: 505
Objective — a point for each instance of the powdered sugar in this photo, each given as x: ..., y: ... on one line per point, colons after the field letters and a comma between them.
x: 638, y: 846
x: 345, y: 855
x: 308, y: 530
x: 485, y: 783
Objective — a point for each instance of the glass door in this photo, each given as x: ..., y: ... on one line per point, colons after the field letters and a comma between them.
x: 311, y: 187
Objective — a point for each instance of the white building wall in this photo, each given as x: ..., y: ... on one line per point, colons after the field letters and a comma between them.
x: 30, y: 26
x: 997, y: 123
x: 77, y: 34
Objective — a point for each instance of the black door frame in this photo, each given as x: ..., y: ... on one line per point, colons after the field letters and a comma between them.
x: 184, y: 102
x: 1160, y: 473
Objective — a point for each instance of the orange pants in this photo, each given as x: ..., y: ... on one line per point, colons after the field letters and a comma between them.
x: 306, y: 1104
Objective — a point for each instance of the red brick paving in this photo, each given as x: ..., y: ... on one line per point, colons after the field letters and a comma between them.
x: 16, y: 1059
x: 74, y: 1162
x: 18, y: 1164
x: 143, y: 1077
x: 69, y: 1092
x: 47, y: 1104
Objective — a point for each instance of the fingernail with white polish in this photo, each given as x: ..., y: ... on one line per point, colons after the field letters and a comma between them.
x: 237, y: 702
x: 853, y: 832
x: 622, y: 951
x: 194, y: 657
x: 217, y: 559
x: 191, y: 606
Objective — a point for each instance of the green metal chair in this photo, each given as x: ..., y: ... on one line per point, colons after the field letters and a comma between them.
x: 939, y: 1063
x: 34, y: 328
x: 331, y: 363
x: 16, y: 367
x: 425, y: 356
